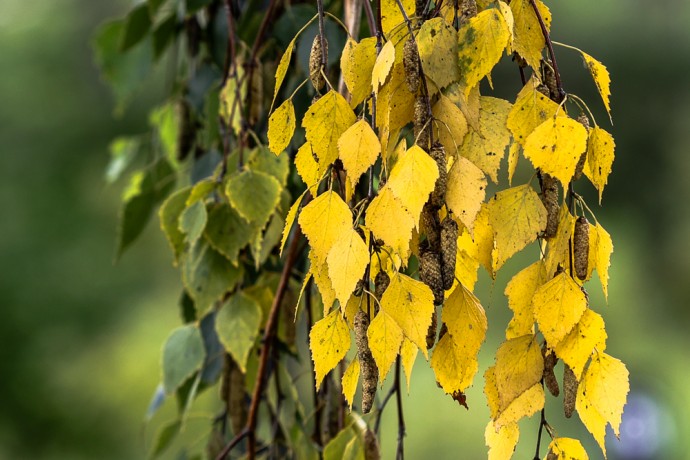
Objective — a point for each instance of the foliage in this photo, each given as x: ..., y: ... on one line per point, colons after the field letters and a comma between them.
x: 383, y: 165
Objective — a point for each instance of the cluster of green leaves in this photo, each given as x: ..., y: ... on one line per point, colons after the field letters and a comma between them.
x: 353, y: 169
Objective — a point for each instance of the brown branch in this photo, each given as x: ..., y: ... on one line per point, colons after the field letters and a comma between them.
x: 549, y: 44
x: 400, y: 452
x: 542, y: 422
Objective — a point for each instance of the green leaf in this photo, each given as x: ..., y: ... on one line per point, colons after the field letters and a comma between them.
x: 154, y: 5
x: 237, y: 325
x: 192, y: 6
x: 262, y: 160
x: 146, y: 189
x: 169, y: 215
x: 183, y: 354
x: 165, y: 437
x: 137, y: 25
x: 123, y: 150
x: 342, y: 448
x: 165, y: 120
x: 269, y: 239
x: 254, y: 195
x: 227, y: 232
x: 163, y: 34
x: 207, y: 275
x: 193, y: 221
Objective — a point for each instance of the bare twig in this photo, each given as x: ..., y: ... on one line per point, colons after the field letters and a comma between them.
x: 400, y: 452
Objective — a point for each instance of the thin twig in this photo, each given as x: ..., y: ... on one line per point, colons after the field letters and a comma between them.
x: 400, y: 452
x: 542, y: 422
x: 379, y: 409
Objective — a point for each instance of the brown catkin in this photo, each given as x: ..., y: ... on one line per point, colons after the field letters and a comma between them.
x: 233, y: 393
x: 579, y: 168
x: 551, y: 455
x: 444, y: 331
x: 449, y: 247
x: 438, y: 195
x: 370, y: 373
x: 581, y: 247
x: 422, y: 129
x: 550, y: 79
x: 372, y: 451
x: 419, y: 6
x: 430, y: 274
x: 257, y: 93
x: 431, y: 332
x: 315, y: 75
x: 569, y: 391
x: 186, y: 133
x: 549, y: 197
x: 431, y: 227
x: 468, y: 10
x: 550, y: 381
x: 411, y: 65
x: 381, y: 282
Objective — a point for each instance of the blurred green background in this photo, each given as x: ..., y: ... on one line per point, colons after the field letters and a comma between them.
x: 80, y: 337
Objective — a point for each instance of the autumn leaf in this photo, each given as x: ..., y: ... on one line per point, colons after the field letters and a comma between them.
x: 567, y: 449
x: 558, y: 306
x: 329, y: 341
x: 484, y: 239
x: 501, y: 441
x: 600, y: 154
x: 359, y: 148
x: 519, y: 366
x: 587, y: 335
x: 466, y: 263
x: 281, y: 127
x: 527, y: 403
x: 324, y: 221
x: 383, y: 65
x: 530, y: 110
x: 350, y: 380
x: 454, y: 369
x: 437, y: 43
x: 466, y: 320
x: 449, y: 123
x: 600, y: 250
x: 282, y: 68
x: 390, y: 222
x: 385, y: 338
x: 408, y: 354
x: 357, y: 63
x: 528, y: 39
x: 412, y: 179
x: 319, y: 271
x: 324, y: 122
x: 307, y: 167
x: 520, y: 291
x: 347, y: 260
x: 601, y: 78
x: 466, y: 191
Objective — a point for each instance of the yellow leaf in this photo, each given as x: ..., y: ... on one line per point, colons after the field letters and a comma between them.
x: 601, y: 395
x: 307, y: 166
x: 350, y: 380
x: 394, y: 106
x: 466, y: 263
x: 412, y: 179
x: 329, y: 341
x: 576, y: 348
x: 481, y: 44
x: 530, y: 110
x: 568, y: 449
x: 323, y: 283
x: 501, y: 441
x: 558, y: 306
x: 391, y: 17
x: 510, y: 21
x: 281, y: 127
x: 449, y: 123
x: 383, y: 65
x: 229, y: 105
x: 526, y: 404
x: 517, y: 216
x: 558, y: 249
x: 528, y: 40
x: 513, y: 156
x: 600, y: 154
x: 600, y: 250
x: 601, y: 79
x: 385, y: 338
x: 437, y: 43
x: 324, y: 122
x: 347, y: 261
x: 484, y: 238
x: 353, y: 305
x: 491, y: 391
x: 410, y: 303
x: 390, y: 222
x: 520, y: 290
x: 359, y: 148
x: 466, y: 191
x: 519, y: 366
x: 555, y: 147
x: 281, y: 71
x: 466, y: 320
x: 454, y: 370
x: 289, y: 220
x: 324, y: 221
x: 486, y: 147
x: 357, y: 63
x: 408, y: 354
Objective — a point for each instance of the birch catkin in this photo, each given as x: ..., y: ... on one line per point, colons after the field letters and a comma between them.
x: 570, y: 385
x: 411, y: 65
x: 370, y: 372
x: 549, y: 197
x: 581, y: 247
x: 438, y: 195
x: 449, y: 247
x: 315, y: 75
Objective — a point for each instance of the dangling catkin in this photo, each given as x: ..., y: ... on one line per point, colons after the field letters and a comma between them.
x: 431, y: 227
x: 438, y: 195
x: 449, y: 247
x: 315, y: 75
x: 411, y: 65
x: 468, y: 10
x: 381, y: 283
x: 371, y: 446
x: 549, y: 197
x: 569, y: 391
x: 422, y: 129
x: 581, y: 247
x: 581, y: 162
x: 431, y: 332
x: 370, y: 373
x: 550, y: 381
x: 430, y: 274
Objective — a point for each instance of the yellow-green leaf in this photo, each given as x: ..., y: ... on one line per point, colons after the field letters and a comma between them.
x: 558, y: 306
x: 520, y: 291
x: 530, y: 110
x: 329, y: 341
x: 528, y: 40
x: 519, y: 366
x: 237, y: 325
x: 324, y: 122
x: 466, y: 191
x: 410, y: 303
x: 385, y: 338
x: 254, y: 195
x: 481, y: 43
x: 350, y: 380
x: 289, y: 220
x: 517, y: 216
x: 347, y: 260
x: 600, y: 154
x: 501, y: 441
x: 357, y: 63
x: 282, y: 69
x: 567, y: 449
x: 486, y: 147
x: 600, y: 250
x: 412, y: 179
x: 601, y: 78
x: 324, y: 221
x: 601, y: 395
x: 576, y: 348
x: 555, y: 147
x: 359, y: 148
x: 437, y: 43
x: 281, y: 127
x: 383, y: 65
x: 449, y: 123
x: 390, y: 222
